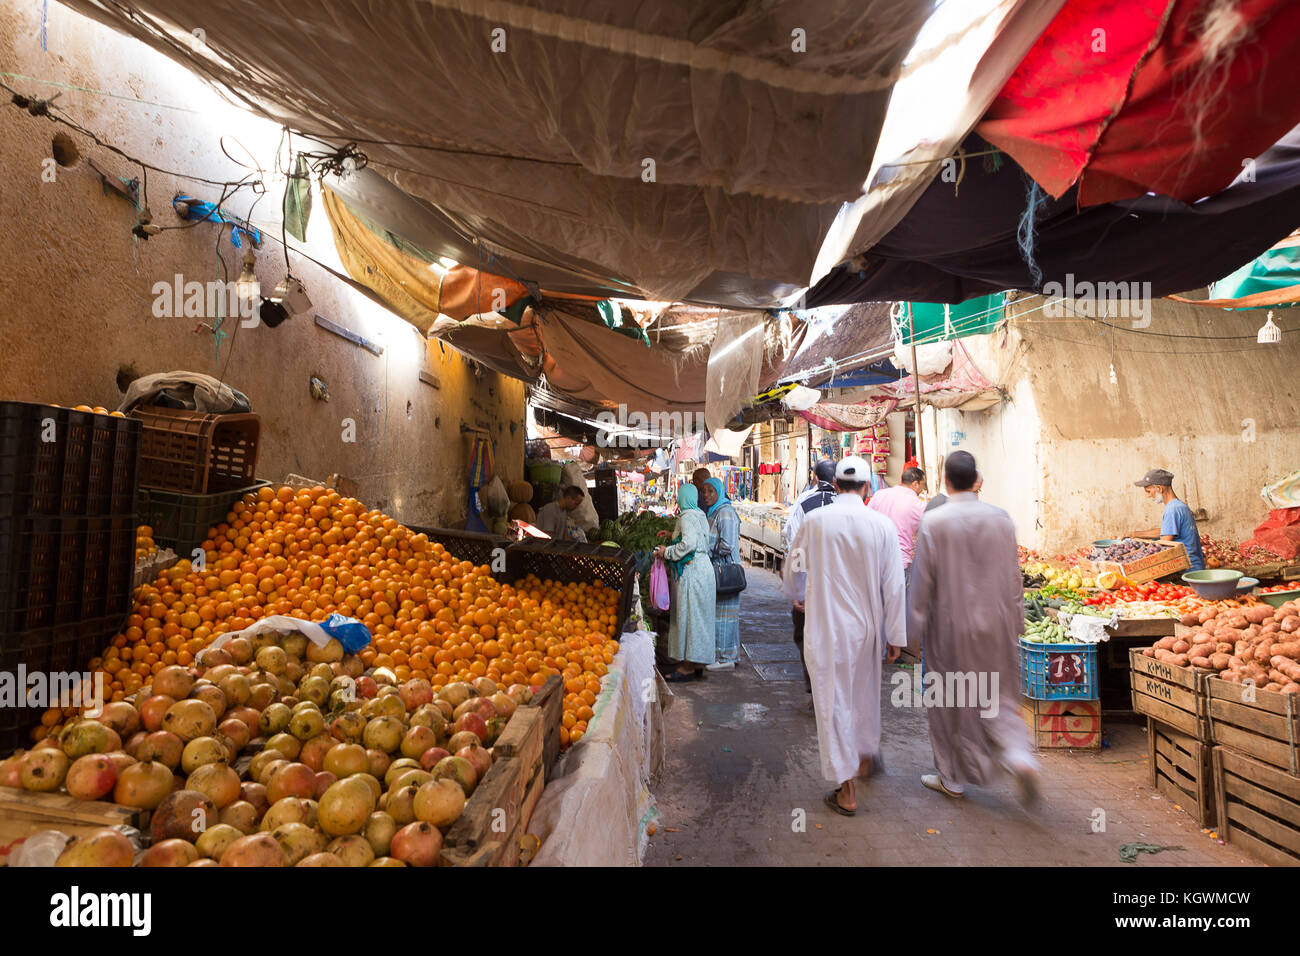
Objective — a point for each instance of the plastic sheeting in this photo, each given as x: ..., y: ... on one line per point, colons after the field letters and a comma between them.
x: 596, y: 810
x: 735, y: 359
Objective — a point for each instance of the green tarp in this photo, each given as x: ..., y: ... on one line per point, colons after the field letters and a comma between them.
x: 935, y: 322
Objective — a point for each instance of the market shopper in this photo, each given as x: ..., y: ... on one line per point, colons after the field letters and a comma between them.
x: 724, y: 549
x: 699, y: 477
x: 1176, y: 521
x: 903, y: 506
x: 691, y: 632
x: 966, y: 610
x: 556, y: 518
x: 820, y: 492
x: 855, y: 601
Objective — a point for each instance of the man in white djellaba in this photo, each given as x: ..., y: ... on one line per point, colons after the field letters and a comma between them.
x: 855, y: 605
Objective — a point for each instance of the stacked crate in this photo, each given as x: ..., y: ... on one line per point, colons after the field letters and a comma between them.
x: 67, y: 541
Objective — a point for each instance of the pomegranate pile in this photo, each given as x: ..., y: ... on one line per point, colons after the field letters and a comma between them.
x: 348, y: 768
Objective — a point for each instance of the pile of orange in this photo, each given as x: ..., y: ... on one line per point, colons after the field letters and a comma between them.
x: 144, y: 542
x: 308, y: 553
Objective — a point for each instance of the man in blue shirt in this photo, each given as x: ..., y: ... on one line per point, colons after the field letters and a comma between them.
x: 1176, y: 523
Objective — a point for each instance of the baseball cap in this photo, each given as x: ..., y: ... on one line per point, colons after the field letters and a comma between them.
x: 853, y: 468
x: 1156, y: 476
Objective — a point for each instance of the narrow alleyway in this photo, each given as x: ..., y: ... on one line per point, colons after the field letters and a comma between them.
x: 742, y: 770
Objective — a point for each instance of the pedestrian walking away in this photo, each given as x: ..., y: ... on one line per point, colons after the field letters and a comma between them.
x: 855, y: 604
x: 967, y: 608
x: 724, y: 549
x: 820, y: 492
x: 691, y: 631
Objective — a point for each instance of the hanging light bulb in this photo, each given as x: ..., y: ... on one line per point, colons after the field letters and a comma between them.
x: 1114, y: 379
x: 1269, y: 333
x: 247, y: 288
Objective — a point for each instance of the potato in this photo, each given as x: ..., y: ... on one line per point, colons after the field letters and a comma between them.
x: 1223, y: 647
x: 1273, y: 686
x: 1179, y: 660
x: 1290, y: 649
x: 1201, y: 662
x: 1258, y: 615
x: 1164, y: 655
x: 1219, y: 661
x: 1236, y: 621
x: 1165, y: 643
x: 1206, y: 614
x: 1290, y: 624
x: 1180, y: 646
x: 1226, y: 633
x: 1291, y: 688
x: 1190, y: 620
x: 1148, y: 652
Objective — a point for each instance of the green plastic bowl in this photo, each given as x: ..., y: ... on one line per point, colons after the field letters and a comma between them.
x: 1278, y: 598
x: 1104, y: 543
x: 1213, y: 584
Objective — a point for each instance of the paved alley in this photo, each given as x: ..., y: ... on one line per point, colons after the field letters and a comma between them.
x: 742, y: 772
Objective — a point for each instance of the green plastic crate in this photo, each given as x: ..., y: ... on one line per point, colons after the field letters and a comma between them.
x: 180, y: 521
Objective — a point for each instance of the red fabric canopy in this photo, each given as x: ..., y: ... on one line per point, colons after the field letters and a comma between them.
x: 1133, y: 96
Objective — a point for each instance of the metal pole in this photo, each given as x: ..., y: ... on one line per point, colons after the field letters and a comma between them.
x: 916, y: 380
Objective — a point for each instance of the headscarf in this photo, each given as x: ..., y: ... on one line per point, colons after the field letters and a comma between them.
x: 722, y: 495
x: 687, y: 497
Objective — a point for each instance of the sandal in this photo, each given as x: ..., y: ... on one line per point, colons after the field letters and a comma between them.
x: 834, y: 804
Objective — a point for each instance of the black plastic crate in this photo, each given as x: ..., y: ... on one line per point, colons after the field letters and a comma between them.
x: 182, y: 521
x: 59, y: 462
x: 56, y: 571
x: 567, y: 561
x: 473, y: 546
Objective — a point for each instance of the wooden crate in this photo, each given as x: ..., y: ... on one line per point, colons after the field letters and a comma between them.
x: 1063, y: 724
x: 1180, y: 768
x: 1169, y: 560
x: 24, y: 813
x: 1173, y: 695
x: 1258, y: 807
x: 1266, y: 728
x: 495, y: 820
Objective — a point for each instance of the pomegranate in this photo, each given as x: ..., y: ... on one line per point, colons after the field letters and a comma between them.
x: 91, y: 777
x: 241, y: 815
x: 313, y: 752
x: 379, y: 763
x: 415, y: 693
x: 216, y: 839
x: 153, y: 710
x: 401, y: 804
x: 495, y: 727
x: 345, y: 807
x: 352, y: 850
x: 347, y: 759
x: 485, y: 686
x: 121, y: 717
x: 248, y: 716
x: 383, y: 676
x: 211, y: 695
x: 417, y: 844
x: 271, y: 768
x: 256, y: 849
x: 321, y: 859
x: 214, y: 657
x: 387, y: 861
x: 104, y: 847
x: 132, y: 743
x: 379, y: 829
x: 11, y: 771
x: 236, y: 689
x: 463, y: 739
x: 260, y: 760
x: 215, y: 675
x: 383, y: 733
x: 191, y: 718
x: 298, y: 842
x: 291, y: 780
x: 275, y: 719
x: 174, y: 681
x: 429, y: 715
x: 472, y: 722
x: 366, y: 687
x: 323, y: 781
x: 272, y: 659
x: 440, y: 802
x: 505, y: 704
x: 348, y: 727
x: 306, y: 723
x: 287, y: 744
x: 456, y: 693
x: 295, y: 644
x: 445, y: 708
x: 44, y: 769
x: 520, y: 693
x: 203, y: 750
x: 235, y: 731
x: 89, y: 737
x: 431, y: 757
x: 328, y: 653
x: 255, y: 793
x: 289, y: 810
x: 458, y: 769
x: 399, y: 767
x: 314, y: 689
x: 239, y: 649
x: 203, y: 861
x: 478, y: 758
x: 218, y: 780
x: 264, y: 693
x: 415, y: 777
x: 170, y: 853
x: 162, y: 746
x: 121, y: 760
x: 416, y: 741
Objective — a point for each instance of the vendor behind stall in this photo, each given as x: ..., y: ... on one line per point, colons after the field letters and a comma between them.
x: 1176, y: 523
x: 556, y: 519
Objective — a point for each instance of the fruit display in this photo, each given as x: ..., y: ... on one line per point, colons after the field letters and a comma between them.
x: 309, y: 552
x: 349, y: 767
x: 1125, y: 552
x: 1220, y: 554
x: 144, y: 543
x: 1045, y: 631
x: 1151, y: 591
x: 1258, y: 643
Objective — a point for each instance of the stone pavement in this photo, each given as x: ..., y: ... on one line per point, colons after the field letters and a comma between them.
x: 742, y: 769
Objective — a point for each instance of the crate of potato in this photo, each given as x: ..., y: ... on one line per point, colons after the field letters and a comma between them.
x: 1258, y: 807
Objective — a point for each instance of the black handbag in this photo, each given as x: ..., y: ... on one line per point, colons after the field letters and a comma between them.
x: 730, y: 578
